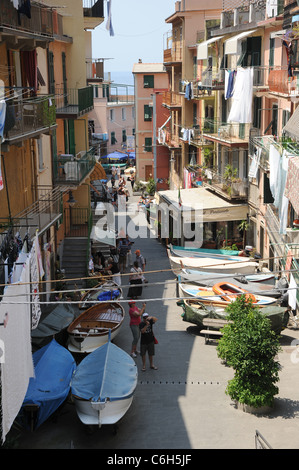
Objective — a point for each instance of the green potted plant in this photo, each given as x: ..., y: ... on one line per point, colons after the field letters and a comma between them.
x: 250, y: 346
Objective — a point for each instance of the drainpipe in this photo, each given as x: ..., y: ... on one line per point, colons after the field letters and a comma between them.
x: 155, y: 136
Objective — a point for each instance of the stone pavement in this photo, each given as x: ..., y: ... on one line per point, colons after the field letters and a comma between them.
x: 182, y: 405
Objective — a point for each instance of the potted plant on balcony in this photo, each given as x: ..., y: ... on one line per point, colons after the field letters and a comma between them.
x: 250, y: 346
x: 229, y: 175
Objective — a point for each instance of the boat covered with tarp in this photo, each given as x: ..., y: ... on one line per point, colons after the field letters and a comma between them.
x: 54, y: 366
x: 103, y: 385
x: 194, y: 312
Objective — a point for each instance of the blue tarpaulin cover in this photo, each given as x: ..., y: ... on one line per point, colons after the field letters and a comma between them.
x: 54, y: 366
x: 106, y: 373
x: 109, y: 295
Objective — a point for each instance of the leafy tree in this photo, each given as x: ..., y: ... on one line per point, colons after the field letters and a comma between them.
x: 249, y: 346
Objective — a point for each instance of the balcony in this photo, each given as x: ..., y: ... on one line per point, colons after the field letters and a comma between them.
x: 229, y: 134
x: 19, y: 31
x: 230, y: 188
x: 93, y: 11
x: 173, y: 50
x: 29, y: 117
x: 43, y: 212
x: 172, y: 99
x: 72, y: 103
x: 70, y: 170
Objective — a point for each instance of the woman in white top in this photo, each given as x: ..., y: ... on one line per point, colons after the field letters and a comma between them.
x: 135, y: 289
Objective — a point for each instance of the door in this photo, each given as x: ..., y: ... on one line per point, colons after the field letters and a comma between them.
x: 148, y: 172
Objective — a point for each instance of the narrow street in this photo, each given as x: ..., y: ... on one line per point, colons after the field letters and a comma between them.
x: 183, y: 404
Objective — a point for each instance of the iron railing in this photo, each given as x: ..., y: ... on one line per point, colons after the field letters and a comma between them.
x: 73, y: 101
x: 233, y: 188
x: 26, y: 116
x: 71, y: 170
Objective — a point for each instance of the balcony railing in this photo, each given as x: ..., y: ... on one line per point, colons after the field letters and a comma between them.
x: 70, y: 170
x: 223, y: 132
x: 40, y: 22
x: 26, y: 117
x: 232, y: 188
x: 172, y: 99
x: 73, y: 102
x: 42, y: 213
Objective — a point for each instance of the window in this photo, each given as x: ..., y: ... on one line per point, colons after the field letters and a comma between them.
x: 285, y: 117
x: 148, y: 144
x: 257, y: 106
x: 111, y: 114
x: 124, y: 136
x: 148, y: 112
x: 123, y: 114
x: 251, y: 52
x: 113, y: 139
x: 148, y: 81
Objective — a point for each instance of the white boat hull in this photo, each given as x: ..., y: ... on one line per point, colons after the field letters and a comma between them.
x: 97, y: 413
x: 86, y: 343
x: 211, y: 265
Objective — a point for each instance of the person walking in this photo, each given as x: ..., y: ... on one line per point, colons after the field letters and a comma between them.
x: 141, y: 263
x: 132, y: 180
x: 147, y: 340
x: 135, y: 318
x: 123, y: 248
x: 135, y: 280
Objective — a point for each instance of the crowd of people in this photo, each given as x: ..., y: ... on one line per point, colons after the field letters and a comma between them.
x: 118, y: 262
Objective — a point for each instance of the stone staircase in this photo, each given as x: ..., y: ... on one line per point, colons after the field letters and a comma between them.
x: 74, y: 261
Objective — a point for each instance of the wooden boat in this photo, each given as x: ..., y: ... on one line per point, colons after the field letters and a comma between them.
x: 194, y: 275
x: 212, y: 265
x: 103, y: 385
x: 209, y: 296
x: 183, y: 251
x: 108, y: 290
x: 54, y: 366
x: 91, y: 328
x: 207, y: 280
x: 194, y: 312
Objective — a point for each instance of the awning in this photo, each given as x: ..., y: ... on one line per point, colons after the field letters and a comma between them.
x: 202, y: 48
x: 291, y: 188
x: 292, y: 126
x: 231, y: 44
x: 98, y: 173
x: 214, y: 208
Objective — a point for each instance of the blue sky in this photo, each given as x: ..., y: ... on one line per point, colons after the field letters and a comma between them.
x: 139, y: 27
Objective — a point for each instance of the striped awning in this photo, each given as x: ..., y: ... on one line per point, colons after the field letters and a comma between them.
x: 98, y: 173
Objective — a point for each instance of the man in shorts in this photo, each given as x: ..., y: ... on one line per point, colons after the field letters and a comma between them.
x: 147, y: 341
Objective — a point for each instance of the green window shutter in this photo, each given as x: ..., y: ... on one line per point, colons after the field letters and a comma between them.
x: 148, y: 81
x: 72, y: 145
x: 271, y: 55
x: 148, y: 144
x: 113, y: 139
x: 148, y: 111
x: 257, y: 105
x: 64, y: 78
x: 51, y: 73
